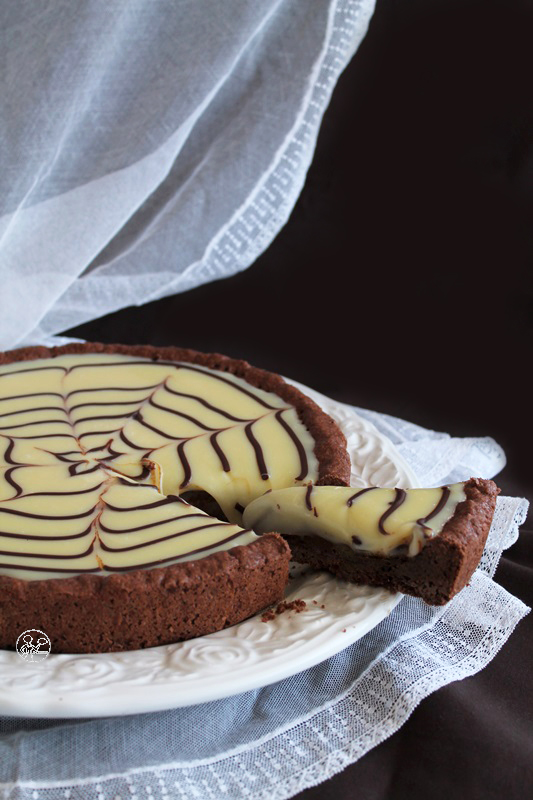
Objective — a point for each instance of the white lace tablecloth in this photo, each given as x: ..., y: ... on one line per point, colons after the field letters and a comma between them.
x: 273, y: 742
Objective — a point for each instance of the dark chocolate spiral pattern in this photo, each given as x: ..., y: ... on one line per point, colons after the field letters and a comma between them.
x: 71, y: 426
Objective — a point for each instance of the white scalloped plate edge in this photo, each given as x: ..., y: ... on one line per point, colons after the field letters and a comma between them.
x: 247, y: 656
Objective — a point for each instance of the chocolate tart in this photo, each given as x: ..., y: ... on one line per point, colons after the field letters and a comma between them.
x: 107, y: 605
x: 441, y: 568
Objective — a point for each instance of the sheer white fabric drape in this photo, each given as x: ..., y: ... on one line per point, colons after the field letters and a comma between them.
x: 149, y: 147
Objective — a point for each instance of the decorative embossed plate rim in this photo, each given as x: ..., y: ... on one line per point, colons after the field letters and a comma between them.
x: 247, y: 656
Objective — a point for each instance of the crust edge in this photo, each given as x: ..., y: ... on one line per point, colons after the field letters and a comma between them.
x: 147, y: 608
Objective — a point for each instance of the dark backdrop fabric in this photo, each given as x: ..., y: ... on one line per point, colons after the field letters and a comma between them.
x: 402, y: 283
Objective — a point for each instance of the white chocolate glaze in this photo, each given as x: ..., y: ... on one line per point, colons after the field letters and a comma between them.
x: 379, y: 521
x: 71, y: 426
x: 104, y: 523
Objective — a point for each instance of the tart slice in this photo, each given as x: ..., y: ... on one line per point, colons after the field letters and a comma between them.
x: 422, y: 542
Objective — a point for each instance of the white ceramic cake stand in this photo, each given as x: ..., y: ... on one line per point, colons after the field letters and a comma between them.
x: 247, y: 656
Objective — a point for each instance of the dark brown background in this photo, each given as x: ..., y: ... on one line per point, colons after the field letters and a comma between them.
x: 401, y: 283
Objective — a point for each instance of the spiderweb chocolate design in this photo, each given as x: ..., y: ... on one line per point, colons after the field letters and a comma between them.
x: 95, y: 450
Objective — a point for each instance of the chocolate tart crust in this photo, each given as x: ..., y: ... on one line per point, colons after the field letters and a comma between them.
x: 145, y: 608
x: 442, y: 568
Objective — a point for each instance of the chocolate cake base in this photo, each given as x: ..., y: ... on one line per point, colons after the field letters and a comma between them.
x: 145, y: 608
x: 442, y: 568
